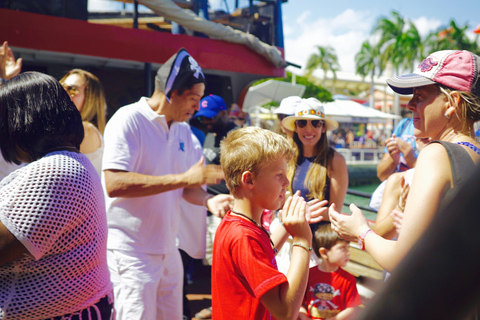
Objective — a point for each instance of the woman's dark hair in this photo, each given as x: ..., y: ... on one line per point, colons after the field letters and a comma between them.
x: 37, y: 116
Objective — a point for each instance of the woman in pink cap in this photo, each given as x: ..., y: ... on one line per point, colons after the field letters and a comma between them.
x: 445, y: 105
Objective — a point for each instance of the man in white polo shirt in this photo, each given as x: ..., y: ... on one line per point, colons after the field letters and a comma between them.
x: 148, y: 167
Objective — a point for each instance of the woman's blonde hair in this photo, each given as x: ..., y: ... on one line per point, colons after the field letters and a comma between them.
x: 469, y: 106
x: 250, y: 149
x: 94, y: 105
x: 316, y: 178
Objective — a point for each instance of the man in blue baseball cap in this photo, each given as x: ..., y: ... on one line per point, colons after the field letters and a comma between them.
x: 212, y: 113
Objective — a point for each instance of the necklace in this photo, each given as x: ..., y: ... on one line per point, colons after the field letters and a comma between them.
x: 471, y: 146
x: 275, y: 250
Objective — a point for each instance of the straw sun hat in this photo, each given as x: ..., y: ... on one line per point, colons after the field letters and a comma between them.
x: 309, y: 109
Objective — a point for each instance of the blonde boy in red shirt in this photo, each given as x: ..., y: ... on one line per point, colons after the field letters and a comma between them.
x: 245, y: 281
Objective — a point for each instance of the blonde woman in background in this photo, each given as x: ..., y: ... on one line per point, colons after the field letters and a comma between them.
x: 86, y: 92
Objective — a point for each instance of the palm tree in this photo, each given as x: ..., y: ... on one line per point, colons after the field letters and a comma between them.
x: 410, y: 48
x: 367, y: 62
x: 390, y: 32
x: 326, y: 59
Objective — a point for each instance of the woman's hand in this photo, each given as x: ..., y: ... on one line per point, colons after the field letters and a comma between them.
x: 397, y: 216
x: 348, y: 227
x: 316, y: 211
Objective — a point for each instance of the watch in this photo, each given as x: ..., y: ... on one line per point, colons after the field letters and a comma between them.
x: 361, y: 239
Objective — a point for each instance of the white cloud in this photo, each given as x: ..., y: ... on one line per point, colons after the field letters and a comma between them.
x: 426, y: 25
x: 345, y: 33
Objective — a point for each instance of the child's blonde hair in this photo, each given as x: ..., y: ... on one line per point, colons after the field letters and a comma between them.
x: 325, y: 237
x: 249, y: 149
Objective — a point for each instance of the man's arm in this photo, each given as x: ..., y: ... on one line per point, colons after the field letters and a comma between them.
x: 126, y: 184
x: 218, y: 205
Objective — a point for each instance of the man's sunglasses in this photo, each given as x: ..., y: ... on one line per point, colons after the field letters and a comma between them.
x: 303, y: 123
x: 203, y: 119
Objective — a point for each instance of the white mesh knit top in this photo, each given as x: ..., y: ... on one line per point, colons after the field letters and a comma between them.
x: 56, y: 209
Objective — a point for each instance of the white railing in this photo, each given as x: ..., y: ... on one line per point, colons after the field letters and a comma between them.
x: 361, y: 155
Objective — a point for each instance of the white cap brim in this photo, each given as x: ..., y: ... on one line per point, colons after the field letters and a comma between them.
x: 404, y: 84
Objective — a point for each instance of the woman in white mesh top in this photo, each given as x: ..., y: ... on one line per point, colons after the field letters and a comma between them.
x: 53, y: 227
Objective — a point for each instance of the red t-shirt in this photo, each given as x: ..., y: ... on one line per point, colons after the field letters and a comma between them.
x: 328, y: 293
x: 243, y: 269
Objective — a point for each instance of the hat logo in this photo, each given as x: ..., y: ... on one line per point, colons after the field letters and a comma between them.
x: 195, y: 67
x: 427, y: 64
x: 204, y: 103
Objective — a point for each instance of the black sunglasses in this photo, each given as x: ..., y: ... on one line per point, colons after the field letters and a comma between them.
x: 303, y: 123
x: 203, y: 119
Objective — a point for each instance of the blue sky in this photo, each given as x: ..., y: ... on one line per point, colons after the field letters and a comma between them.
x: 345, y: 24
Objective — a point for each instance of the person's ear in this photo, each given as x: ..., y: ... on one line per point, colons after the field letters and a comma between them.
x: 247, y: 179
x: 174, y: 95
x: 453, y: 104
x: 323, y: 253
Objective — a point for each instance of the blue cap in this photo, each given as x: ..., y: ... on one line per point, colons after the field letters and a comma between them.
x: 210, y: 106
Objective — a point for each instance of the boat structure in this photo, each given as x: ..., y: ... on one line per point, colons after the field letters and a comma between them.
x: 125, y: 49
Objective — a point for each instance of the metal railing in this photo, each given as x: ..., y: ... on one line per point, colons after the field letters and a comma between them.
x: 363, y: 195
x: 361, y: 156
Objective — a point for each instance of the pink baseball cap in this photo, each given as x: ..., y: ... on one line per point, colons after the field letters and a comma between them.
x: 456, y: 69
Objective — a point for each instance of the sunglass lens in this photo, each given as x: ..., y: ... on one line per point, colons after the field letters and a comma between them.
x: 301, y: 123
x: 316, y: 123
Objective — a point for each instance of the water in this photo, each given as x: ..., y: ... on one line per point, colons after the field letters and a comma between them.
x: 360, y: 201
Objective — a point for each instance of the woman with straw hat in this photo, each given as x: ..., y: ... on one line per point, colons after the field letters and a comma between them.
x: 316, y: 169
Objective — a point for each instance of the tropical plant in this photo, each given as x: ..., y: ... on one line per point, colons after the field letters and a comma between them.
x: 451, y: 38
x: 367, y: 62
x: 390, y: 32
x: 325, y: 59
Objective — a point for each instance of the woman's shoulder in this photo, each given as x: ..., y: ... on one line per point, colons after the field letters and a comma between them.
x: 433, y: 150
x: 92, y: 139
x: 336, y: 158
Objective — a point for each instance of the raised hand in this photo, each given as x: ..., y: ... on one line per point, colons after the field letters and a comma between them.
x: 316, y: 211
x: 198, y: 174
x: 9, y: 67
x: 220, y: 204
x: 293, y: 218
x: 397, y: 219
x: 349, y: 227
x: 393, y: 148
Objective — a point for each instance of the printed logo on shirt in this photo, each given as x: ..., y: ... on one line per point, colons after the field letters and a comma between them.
x: 181, y: 145
x: 320, y: 306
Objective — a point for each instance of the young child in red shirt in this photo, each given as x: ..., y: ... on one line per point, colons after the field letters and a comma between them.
x: 331, y: 291
x: 245, y: 281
